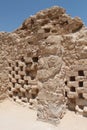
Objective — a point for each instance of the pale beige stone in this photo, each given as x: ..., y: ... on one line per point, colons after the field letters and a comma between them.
x: 45, y: 60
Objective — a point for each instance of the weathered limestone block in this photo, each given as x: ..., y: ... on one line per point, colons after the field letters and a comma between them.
x: 10, y: 84
x: 85, y: 84
x: 78, y: 110
x: 10, y: 93
x: 47, y: 96
x: 50, y: 111
x: 24, y: 100
x: 43, y: 63
x: 85, y: 111
x: 33, y: 103
x: 81, y: 78
x: 17, y: 86
x: 72, y: 95
x: 75, y: 84
x: 43, y: 75
x: 13, y: 80
x: 85, y: 95
x: 76, y: 24
x: 22, y: 90
x: 21, y: 64
x: 80, y: 90
x: 26, y: 78
x: 21, y: 81
x: 17, y: 76
x: 34, y: 91
x: 71, y: 73
x: 27, y: 87
x: 50, y: 71
x: 82, y: 102
x: 21, y: 72
x: 71, y: 104
x: 17, y: 69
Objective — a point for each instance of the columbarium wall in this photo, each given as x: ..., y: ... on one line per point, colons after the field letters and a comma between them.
x: 75, y: 59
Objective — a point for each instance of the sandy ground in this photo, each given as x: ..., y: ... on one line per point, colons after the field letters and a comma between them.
x: 16, y: 117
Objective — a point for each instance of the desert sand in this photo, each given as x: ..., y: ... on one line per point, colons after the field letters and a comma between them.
x: 14, y: 116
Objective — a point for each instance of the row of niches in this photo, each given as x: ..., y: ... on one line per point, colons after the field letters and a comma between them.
x: 28, y: 94
x: 79, y: 95
x: 76, y: 83
x: 24, y: 67
x: 76, y: 89
x: 76, y: 75
x: 22, y: 79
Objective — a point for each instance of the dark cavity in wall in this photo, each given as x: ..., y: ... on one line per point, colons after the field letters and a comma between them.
x: 81, y: 73
x: 72, y: 78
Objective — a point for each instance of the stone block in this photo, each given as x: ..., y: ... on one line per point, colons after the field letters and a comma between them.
x: 13, y: 80
x: 74, y: 84
x: 10, y: 84
x: 71, y: 73
x: 80, y: 90
x: 78, y: 110
x: 18, y: 101
x: 9, y: 75
x: 21, y: 63
x: 14, y: 90
x: 12, y: 72
x: 27, y: 78
x: 85, y: 111
x: 17, y: 76
x: 85, y: 84
x: 28, y: 60
x: 22, y: 90
x: 80, y: 67
x: 85, y: 95
x: 10, y: 93
x: 27, y: 94
x: 21, y: 81
x: 33, y: 103
x: 85, y: 72
x: 72, y: 94
x: 21, y: 73
x: 32, y: 82
x: 17, y: 69
x: 81, y: 102
x: 34, y: 90
x: 67, y: 89
x: 27, y: 87
x: 9, y: 68
x: 80, y: 78
x: 25, y: 100
x: 17, y: 86
x: 50, y: 96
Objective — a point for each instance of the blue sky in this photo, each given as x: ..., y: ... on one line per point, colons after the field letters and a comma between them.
x: 14, y: 12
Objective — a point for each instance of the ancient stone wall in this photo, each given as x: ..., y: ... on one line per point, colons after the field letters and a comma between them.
x: 22, y: 80
x: 76, y: 87
x: 51, y: 75
x: 76, y: 72
x: 41, y: 62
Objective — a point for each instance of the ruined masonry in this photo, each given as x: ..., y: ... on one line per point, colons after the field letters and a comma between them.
x: 43, y: 64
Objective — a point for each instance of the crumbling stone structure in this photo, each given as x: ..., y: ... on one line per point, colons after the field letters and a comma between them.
x: 43, y: 64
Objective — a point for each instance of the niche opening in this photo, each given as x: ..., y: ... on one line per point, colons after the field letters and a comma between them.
x: 72, y: 78
x: 81, y: 73
x: 72, y: 89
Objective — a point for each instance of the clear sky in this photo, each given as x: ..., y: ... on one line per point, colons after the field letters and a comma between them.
x: 14, y: 12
